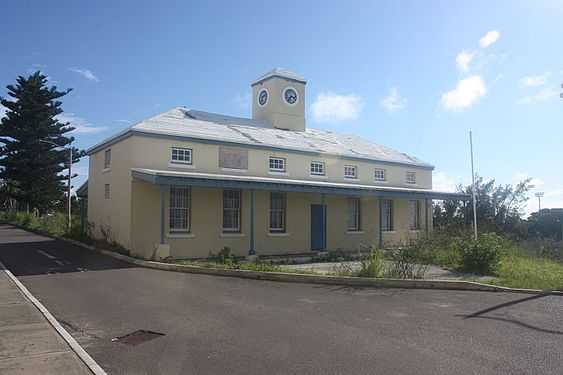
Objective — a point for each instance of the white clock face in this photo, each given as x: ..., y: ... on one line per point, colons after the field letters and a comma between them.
x: 263, y: 97
x: 290, y: 96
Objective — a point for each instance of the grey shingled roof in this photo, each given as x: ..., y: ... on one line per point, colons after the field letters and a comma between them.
x: 186, y: 123
x: 279, y: 72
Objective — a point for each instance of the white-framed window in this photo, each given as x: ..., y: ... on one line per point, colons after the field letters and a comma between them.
x: 354, y: 214
x: 379, y: 174
x: 180, y: 209
x: 410, y: 177
x: 414, y: 208
x: 231, y: 210
x: 181, y: 155
x: 387, y: 215
x: 107, y: 158
x: 277, y: 211
x: 318, y: 168
x: 107, y: 191
x: 350, y: 171
x: 276, y: 164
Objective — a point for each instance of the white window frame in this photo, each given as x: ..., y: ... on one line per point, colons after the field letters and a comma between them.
x: 107, y: 191
x: 380, y: 171
x: 235, y: 228
x: 386, y: 215
x: 183, y: 155
x: 354, y: 214
x: 414, y: 215
x: 317, y: 168
x: 179, y: 209
x: 350, y: 171
x: 276, y: 164
x: 409, y: 180
x: 277, y: 213
x: 107, y: 158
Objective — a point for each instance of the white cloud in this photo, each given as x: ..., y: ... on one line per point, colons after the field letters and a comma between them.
x: 463, y: 59
x: 3, y: 111
x: 489, y: 38
x: 82, y: 125
x: 467, y: 92
x: 393, y: 102
x: 545, y: 94
x: 243, y: 101
x: 85, y: 73
x: 537, y: 80
x: 442, y: 182
x: 334, y: 108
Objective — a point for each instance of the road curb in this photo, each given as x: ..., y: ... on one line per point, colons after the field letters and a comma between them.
x: 315, y: 279
x: 82, y: 354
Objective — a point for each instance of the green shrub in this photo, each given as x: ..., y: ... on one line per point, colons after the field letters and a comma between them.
x: 480, y: 256
x: 372, y: 265
x: 224, y: 256
x: 406, y: 263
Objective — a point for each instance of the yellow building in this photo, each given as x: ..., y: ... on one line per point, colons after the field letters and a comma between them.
x: 187, y: 182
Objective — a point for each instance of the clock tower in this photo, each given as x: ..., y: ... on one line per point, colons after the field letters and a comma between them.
x: 278, y: 98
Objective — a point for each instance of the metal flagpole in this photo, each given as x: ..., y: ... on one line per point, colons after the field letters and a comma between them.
x: 473, y: 188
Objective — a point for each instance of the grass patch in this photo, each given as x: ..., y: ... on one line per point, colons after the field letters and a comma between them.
x: 529, y: 272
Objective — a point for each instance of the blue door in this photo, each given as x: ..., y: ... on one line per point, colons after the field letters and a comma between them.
x: 316, y: 227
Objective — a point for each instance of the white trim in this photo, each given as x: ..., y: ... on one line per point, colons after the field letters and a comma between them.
x: 273, y: 173
x: 267, y: 97
x: 319, y: 176
x: 388, y: 231
x: 106, y: 170
x: 278, y: 234
x: 296, y: 94
x: 232, y: 235
x: 182, y: 165
x: 410, y: 184
x: 180, y: 234
x: 351, y: 178
x: 352, y: 232
x: 382, y: 182
x: 234, y: 170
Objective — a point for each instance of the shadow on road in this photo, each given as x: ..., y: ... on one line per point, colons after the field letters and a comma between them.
x: 26, y: 253
x: 481, y: 314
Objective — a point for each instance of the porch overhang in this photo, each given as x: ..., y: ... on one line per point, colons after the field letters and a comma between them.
x: 196, y: 179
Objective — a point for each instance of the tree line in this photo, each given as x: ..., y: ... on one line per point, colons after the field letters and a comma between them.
x: 500, y: 209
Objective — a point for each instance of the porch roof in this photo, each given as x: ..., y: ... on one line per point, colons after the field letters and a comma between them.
x: 197, y: 179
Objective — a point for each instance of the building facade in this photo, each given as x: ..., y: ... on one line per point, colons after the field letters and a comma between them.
x: 186, y: 183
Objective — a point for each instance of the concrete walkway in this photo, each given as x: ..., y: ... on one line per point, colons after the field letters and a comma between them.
x: 431, y: 272
x: 29, y: 344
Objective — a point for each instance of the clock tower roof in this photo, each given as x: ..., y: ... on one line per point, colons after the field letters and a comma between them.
x: 282, y: 73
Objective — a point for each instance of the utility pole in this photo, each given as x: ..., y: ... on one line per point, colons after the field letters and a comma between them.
x: 473, y: 188
x: 539, y: 195
x: 69, y: 206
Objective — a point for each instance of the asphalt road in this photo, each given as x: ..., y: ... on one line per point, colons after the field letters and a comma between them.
x: 221, y: 325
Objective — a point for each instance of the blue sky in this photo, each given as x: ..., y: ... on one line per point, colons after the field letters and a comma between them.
x: 415, y: 76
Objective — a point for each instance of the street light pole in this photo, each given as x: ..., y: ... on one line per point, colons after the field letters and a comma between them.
x: 69, y: 206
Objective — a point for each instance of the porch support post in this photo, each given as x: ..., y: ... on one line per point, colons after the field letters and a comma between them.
x: 323, y: 203
x: 251, y: 251
x: 426, y: 214
x: 380, y: 230
x: 162, y: 213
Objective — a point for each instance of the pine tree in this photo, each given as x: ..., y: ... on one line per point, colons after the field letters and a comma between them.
x: 24, y: 156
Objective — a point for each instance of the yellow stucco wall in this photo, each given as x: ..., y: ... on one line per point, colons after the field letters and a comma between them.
x: 132, y: 213
x: 113, y: 214
x: 206, y: 159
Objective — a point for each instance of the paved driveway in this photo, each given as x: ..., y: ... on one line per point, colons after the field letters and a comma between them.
x: 220, y: 325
